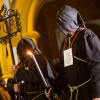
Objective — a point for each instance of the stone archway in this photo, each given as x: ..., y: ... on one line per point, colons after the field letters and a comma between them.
x: 28, y: 10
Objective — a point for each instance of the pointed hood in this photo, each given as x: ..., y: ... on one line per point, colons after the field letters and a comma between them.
x: 69, y: 19
x: 24, y: 45
x: 27, y: 43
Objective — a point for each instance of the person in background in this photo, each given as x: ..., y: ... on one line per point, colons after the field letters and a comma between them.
x: 10, y: 85
x: 4, y: 94
x: 79, y: 58
x: 27, y: 73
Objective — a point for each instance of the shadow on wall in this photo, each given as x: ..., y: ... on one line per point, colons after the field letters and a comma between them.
x: 94, y: 28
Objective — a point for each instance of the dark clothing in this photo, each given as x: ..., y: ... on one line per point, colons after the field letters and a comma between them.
x: 85, y: 47
x: 10, y: 85
x: 11, y: 91
x: 31, y: 77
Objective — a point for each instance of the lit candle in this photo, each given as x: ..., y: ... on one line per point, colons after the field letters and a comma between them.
x: 39, y: 70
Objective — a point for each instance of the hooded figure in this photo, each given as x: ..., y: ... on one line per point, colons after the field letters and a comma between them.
x: 28, y: 72
x: 79, y: 58
x: 69, y: 19
x: 23, y: 46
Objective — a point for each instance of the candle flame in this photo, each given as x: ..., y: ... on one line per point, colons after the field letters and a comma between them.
x: 29, y: 53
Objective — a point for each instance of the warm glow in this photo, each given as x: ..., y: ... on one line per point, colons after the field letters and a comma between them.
x: 29, y: 53
x: 28, y: 10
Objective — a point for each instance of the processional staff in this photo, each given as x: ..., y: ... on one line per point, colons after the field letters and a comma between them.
x: 9, y: 27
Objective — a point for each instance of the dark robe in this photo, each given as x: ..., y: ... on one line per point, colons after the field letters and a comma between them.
x: 10, y: 85
x: 33, y: 82
x: 86, y: 47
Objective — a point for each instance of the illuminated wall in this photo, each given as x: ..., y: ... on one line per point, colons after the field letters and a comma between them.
x: 28, y: 10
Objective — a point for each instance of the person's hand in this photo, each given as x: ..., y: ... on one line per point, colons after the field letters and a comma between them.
x: 47, y: 93
x: 96, y: 98
x: 17, y: 87
x: 14, y: 68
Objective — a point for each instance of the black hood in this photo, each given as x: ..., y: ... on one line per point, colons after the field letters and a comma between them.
x: 24, y: 45
x: 69, y: 19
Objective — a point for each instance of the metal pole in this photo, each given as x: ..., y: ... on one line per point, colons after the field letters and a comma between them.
x: 10, y: 44
x: 12, y: 54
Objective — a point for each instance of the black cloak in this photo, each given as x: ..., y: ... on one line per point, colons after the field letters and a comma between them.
x: 84, y: 74
x: 27, y: 72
